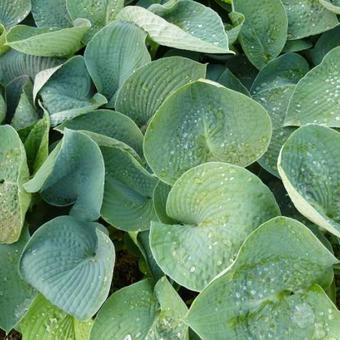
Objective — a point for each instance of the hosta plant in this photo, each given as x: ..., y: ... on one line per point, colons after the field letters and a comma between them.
x: 169, y: 170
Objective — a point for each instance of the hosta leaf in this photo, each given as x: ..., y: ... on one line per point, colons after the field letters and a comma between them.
x: 127, y: 203
x: 285, y: 70
x: 15, y: 294
x: 48, y: 42
x: 275, y: 100
x: 325, y: 43
x: 51, y: 13
x: 182, y: 24
x: 106, y: 141
x: 225, y: 77
x: 71, y: 263
x: 147, y: 88
x: 240, y: 66
x: 109, y: 47
x: 288, y: 209
x: 269, y: 291
x: 297, y: 45
x: 109, y: 123
x: 13, y: 92
x: 316, y: 98
x: 99, y: 12
x: 45, y: 321
x: 218, y: 205
x: 331, y: 5
x: 72, y: 174
x: 14, y: 64
x: 273, y: 88
x: 160, y: 196
x: 69, y: 92
x: 238, y: 20
x: 143, y: 243
x: 264, y: 32
x: 36, y: 144
x: 307, y: 17
x: 3, y: 47
x: 13, y: 11
x: 13, y: 173
x: 139, y: 311
x: 200, y: 122
x: 25, y: 113
x: 308, y: 165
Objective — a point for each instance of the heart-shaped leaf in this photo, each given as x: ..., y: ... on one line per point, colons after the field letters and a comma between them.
x: 15, y: 294
x: 13, y: 174
x: 45, y: 321
x: 200, y: 122
x: 72, y: 174
x: 218, y: 205
x: 308, y: 165
x: 115, y: 42
x: 147, y: 88
x: 264, y: 32
x: 128, y: 193
x: 48, y: 42
x: 71, y: 263
x: 307, y: 105
x: 182, y: 24
x: 268, y: 292
x: 68, y: 91
x: 140, y: 311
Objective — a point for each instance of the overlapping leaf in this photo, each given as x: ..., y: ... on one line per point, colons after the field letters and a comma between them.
x: 308, y: 17
x: 208, y: 201
x: 71, y: 263
x: 99, y: 12
x: 264, y: 32
x: 128, y: 193
x: 181, y: 24
x: 15, y: 294
x: 73, y: 174
x: 200, y: 122
x: 48, y: 42
x: 68, y: 91
x: 108, y: 123
x: 13, y: 11
x: 141, y: 311
x: 147, y: 88
x: 51, y: 13
x: 14, y: 64
x: 13, y: 174
x: 46, y: 321
x: 271, y: 291
x: 105, y: 53
x: 273, y: 88
x: 316, y: 98
x: 308, y: 165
